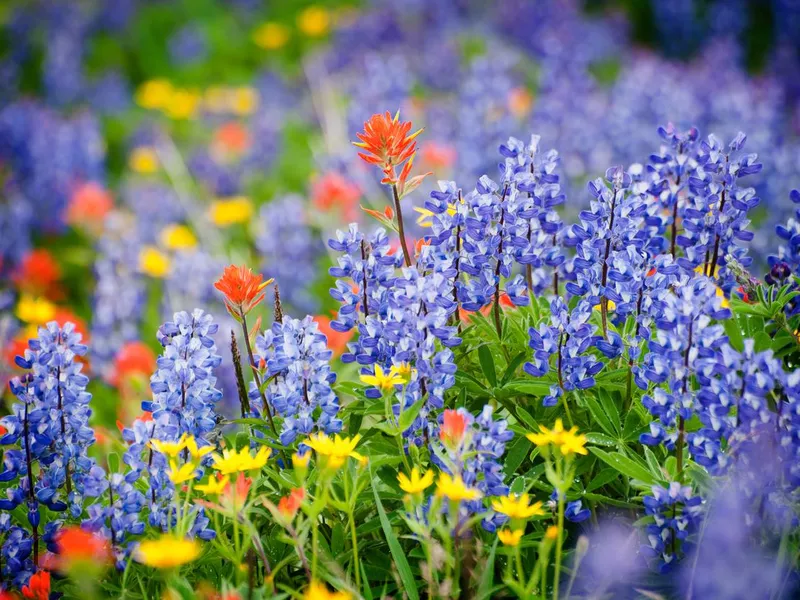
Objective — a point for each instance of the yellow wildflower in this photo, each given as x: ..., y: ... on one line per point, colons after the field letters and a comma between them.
x: 611, y: 305
x: 300, y: 461
x: 314, y: 21
x: 572, y: 443
x: 231, y: 461
x: 551, y: 533
x: 244, y: 101
x: 509, y: 537
x: 154, y: 94
x: 153, y: 262
x: 197, y: 453
x: 335, y: 449
x: 143, y: 160
x: 415, y: 484
x: 177, y: 237
x: 454, y: 488
x: 384, y: 381
x: 547, y: 436
x: 37, y: 311
x: 183, y: 104
x: 171, y: 449
x: 517, y: 508
x: 167, y: 552
x: 215, y: 99
x: 214, y: 486
x: 183, y: 473
x: 319, y: 591
x: 271, y: 35
x: 231, y: 211
x: 425, y: 218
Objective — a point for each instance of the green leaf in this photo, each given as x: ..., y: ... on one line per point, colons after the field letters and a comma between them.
x: 610, y: 407
x: 527, y: 386
x: 652, y: 462
x: 624, y: 465
x: 355, y: 423
x: 600, y: 439
x: 516, y: 453
x: 598, y: 414
x: 527, y: 419
x: 487, y: 578
x: 400, y: 560
x: 603, y: 477
x: 512, y: 367
x: 408, y: 416
x: 387, y: 428
x: 734, y: 331
x: 487, y: 365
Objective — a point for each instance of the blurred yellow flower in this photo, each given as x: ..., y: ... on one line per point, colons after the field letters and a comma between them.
x: 183, y: 473
x: 547, y: 436
x: 319, y: 591
x: 509, y: 537
x: 37, y: 311
x: 214, y: 486
x: 244, y: 101
x: 154, y: 94
x: 153, y: 262
x: 177, y: 237
x: 231, y: 211
x: 314, y: 21
x: 454, y: 488
x: 197, y: 452
x: 415, y: 484
x: 300, y: 461
x: 215, y: 99
x: 231, y: 461
x: 271, y: 35
x: 143, y: 160
x: 573, y: 443
x: 335, y: 449
x: 183, y: 104
x: 551, y: 533
x: 517, y: 508
x: 167, y: 552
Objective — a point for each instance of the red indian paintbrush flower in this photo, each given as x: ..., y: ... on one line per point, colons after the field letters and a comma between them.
x: 78, y: 546
x: 387, y: 143
x: 38, y: 587
x: 290, y: 504
x: 242, y: 288
x: 454, y: 425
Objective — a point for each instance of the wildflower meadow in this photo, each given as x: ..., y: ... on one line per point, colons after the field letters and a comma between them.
x: 431, y: 299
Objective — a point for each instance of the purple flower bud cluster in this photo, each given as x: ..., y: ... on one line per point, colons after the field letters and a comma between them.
x: 676, y: 514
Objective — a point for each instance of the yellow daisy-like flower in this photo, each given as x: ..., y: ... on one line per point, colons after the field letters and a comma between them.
x: 231, y: 211
x: 572, y: 442
x: 314, y: 21
x: 319, y: 591
x: 244, y: 101
x: 416, y: 483
x: 551, y: 533
x: 231, y: 461
x: 154, y: 94
x: 214, y: 486
x: 300, y: 461
x: 271, y: 35
x: 170, y: 449
x: 37, y: 311
x: 178, y: 237
x: 335, y: 449
x: 547, y: 436
x: 454, y: 488
x: 517, y: 508
x: 384, y: 381
x: 509, y: 537
x: 167, y: 552
x: 185, y: 472
x: 153, y: 262
x: 143, y: 160
x: 197, y: 453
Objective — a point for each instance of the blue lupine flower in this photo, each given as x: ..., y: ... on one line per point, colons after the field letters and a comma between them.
x: 676, y: 515
x: 298, y: 367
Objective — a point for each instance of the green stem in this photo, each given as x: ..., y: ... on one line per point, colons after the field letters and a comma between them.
x: 559, y: 543
x: 520, y: 573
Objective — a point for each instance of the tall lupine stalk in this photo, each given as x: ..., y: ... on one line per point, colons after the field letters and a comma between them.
x: 50, y: 422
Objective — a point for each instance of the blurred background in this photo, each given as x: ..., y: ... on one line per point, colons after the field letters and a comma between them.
x: 144, y: 144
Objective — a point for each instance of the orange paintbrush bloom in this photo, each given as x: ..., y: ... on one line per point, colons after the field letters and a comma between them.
x: 133, y: 359
x: 290, y: 504
x: 88, y: 207
x: 454, y: 426
x: 76, y: 545
x: 337, y: 341
x: 38, y: 587
x: 243, y: 289
x: 388, y: 143
x: 332, y: 191
x: 37, y: 273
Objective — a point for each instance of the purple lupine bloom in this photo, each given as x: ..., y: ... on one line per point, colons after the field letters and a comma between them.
x: 676, y: 514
